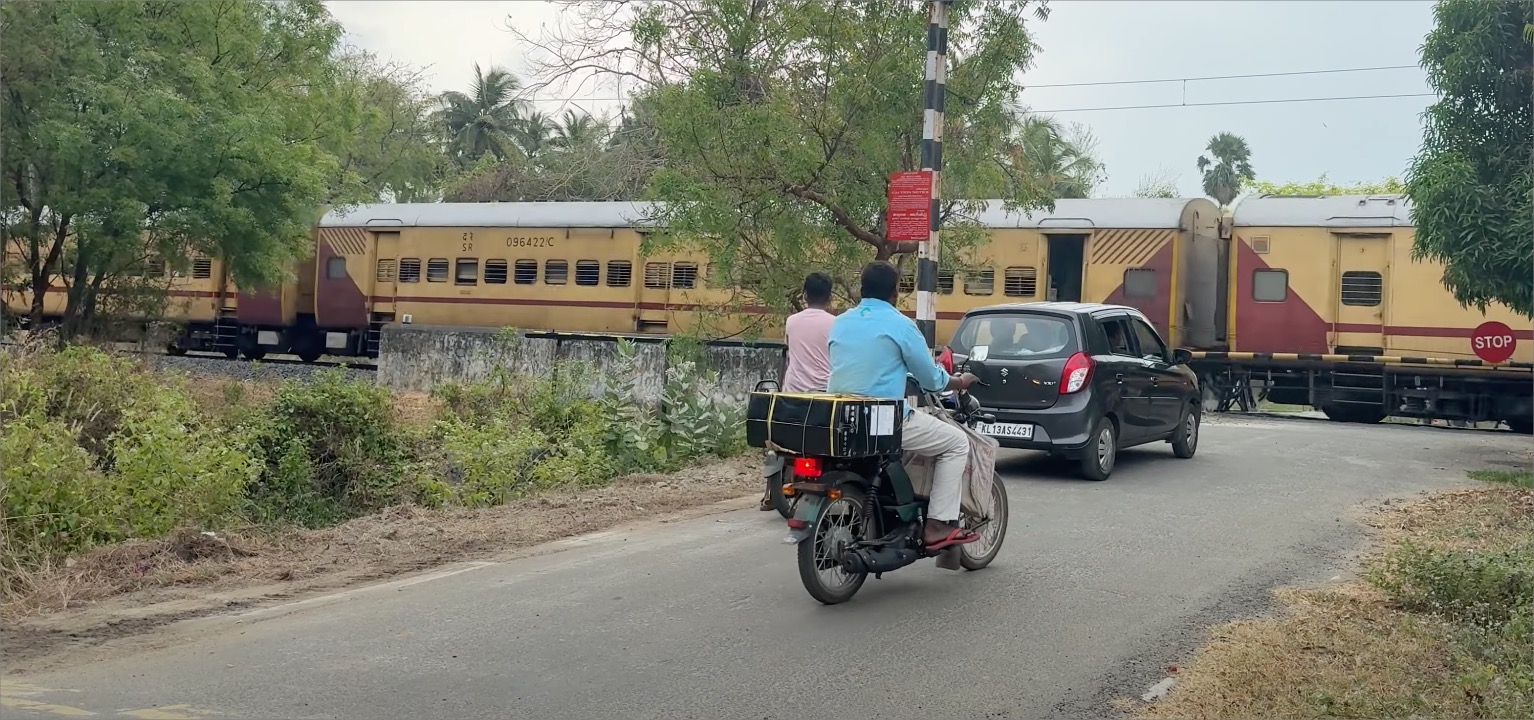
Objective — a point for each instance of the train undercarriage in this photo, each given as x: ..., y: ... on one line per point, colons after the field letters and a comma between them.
x: 1371, y: 392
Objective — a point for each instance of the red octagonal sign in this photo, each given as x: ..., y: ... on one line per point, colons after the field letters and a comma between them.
x: 1493, y: 342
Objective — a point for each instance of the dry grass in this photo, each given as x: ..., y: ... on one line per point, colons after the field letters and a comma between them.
x: 1346, y: 650
x: 131, y: 587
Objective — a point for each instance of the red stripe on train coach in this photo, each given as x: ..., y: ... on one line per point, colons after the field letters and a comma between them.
x: 1417, y: 331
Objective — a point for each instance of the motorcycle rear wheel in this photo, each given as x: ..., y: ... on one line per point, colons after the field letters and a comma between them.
x: 839, y: 523
x: 976, y: 555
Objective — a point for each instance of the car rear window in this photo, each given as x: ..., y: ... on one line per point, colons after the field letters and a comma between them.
x: 1016, y: 337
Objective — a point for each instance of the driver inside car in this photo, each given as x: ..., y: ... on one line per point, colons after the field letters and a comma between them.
x: 873, y: 349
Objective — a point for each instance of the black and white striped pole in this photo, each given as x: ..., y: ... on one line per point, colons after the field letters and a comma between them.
x: 932, y: 161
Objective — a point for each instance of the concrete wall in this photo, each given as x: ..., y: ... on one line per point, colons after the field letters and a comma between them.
x: 418, y: 357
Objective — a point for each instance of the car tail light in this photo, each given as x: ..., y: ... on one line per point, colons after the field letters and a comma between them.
x: 807, y: 467
x: 1078, y: 370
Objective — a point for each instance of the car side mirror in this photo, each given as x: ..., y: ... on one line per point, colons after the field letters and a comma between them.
x: 1181, y: 356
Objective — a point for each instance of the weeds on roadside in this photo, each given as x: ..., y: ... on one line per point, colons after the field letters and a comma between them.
x: 1487, y: 596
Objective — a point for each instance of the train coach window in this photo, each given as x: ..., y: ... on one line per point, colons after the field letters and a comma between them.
x: 945, y: 282
x: 335, y: 268
x: 619, y: 273
x: 436, y: 270
x: 556, y: 272
x: 684, y: 275
x: 495, y: 272
x: 657, y: 275
x: 588, y: 272
x: 526, y: 272
x: 410, y: 270
x: 1270, y: 285
x: 202, y: 269
x: 385, y: 272
x: 1020, y: 282
x: 980, y: 282
x: 466, y: 272
x: 1139, y: 283
x: 1362, y: 288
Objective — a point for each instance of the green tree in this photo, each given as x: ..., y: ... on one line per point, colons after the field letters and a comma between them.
x: 389, y: 142
x: 1061, y: 157
x: 1471, y: 183
x: 140, y: 134
x: 1161, y: 184
x: 779, y: 123
x: 486, y: 119
x: 1227, y: 168
x: 535, y: 133
x: 1324, y: 186
x: 579, y: 129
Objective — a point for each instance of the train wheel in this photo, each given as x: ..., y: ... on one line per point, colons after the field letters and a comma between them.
x: 309, y: 356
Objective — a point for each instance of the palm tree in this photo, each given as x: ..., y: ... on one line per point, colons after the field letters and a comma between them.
x: 483, y: 120
x: 1059, y: 158
x: 1229, y: 171
x: 534, y: 132
x: 577, y: 129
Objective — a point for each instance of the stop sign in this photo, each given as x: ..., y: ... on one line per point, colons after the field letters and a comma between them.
x: 1493, y: 342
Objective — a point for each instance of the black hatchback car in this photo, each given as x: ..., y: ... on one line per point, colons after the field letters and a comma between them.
x: 1080, y: 380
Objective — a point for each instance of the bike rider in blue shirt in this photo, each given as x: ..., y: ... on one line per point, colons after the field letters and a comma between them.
x: 873, y: 349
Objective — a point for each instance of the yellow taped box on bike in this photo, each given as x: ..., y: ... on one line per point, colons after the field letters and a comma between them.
x: 823, y: 424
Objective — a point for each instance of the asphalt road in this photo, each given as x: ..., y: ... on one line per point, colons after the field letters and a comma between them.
x: 1099, y: 587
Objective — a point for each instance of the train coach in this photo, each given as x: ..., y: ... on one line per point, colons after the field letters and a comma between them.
x: 578, y: 267
x: 1327, y: 308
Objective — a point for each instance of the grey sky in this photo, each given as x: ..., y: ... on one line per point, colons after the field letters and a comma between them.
x: 1088, y: 41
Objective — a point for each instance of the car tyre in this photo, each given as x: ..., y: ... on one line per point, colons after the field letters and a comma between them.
x: 1185, y: 438
x: 1101, y: 452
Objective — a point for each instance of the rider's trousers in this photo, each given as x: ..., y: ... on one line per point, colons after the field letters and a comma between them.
x: 930, y: 437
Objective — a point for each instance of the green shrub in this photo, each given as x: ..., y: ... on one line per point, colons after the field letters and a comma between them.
x: 96, y: 449
x: 1478, y: 588
x: 330, y: 449
x: 488, y: 462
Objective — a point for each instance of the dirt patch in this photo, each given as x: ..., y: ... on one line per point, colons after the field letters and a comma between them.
x: 1346, y: 650
x: 133, y: 587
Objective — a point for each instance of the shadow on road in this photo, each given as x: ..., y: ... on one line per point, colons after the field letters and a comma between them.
x: 1041, y: 467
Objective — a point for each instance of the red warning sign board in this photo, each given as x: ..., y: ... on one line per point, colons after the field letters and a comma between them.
x: 910, y: 206
x: 1493, y: 342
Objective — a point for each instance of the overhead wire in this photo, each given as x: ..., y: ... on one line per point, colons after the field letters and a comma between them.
x: 1150, y: 81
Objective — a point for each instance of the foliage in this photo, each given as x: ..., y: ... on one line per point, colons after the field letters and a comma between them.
x: 777, y: 148
x: 93, y: 450
x: 1062, y: 158
x: 484, y: 120
x: 1324, y: 186
x: 1472, y: 184
x: 330, y: 449
x: 1227, y: 168
x: 1162, y: 184
x: 144, y: 134
x: 633, y: 438
x: 580, y: 158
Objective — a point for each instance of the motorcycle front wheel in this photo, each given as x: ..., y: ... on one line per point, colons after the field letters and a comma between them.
x: 840, y: 523
x: 980, y: 553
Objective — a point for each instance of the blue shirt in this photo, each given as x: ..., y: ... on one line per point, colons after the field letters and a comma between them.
x: 873, y: 348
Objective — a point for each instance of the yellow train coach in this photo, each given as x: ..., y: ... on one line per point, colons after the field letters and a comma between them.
x: 578, y: 267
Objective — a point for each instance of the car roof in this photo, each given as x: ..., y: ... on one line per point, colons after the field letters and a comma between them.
x: 1054, y: 308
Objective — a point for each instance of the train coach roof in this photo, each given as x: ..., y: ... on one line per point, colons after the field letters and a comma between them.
x: 1069, y: 214
x: 1339, y: 211
x: 1091, y: 213
x: 528, y: 214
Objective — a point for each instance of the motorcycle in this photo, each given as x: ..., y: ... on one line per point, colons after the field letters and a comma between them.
x: 860, y: 516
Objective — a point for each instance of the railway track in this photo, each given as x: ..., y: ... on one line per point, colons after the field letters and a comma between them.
x: 219, y: 357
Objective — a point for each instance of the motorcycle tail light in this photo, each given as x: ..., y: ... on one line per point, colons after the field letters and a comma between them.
x: 807, y: 467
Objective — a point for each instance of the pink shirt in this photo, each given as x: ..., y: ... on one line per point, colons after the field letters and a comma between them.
x: 809, y: 354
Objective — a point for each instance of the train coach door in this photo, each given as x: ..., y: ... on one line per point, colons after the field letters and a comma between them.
x: 1066, y: 264
x: 1362, y: 269
x: 385, y: 275
x: 653, y: 314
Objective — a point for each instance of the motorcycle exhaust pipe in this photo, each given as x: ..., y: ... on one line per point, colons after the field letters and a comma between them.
x: 878, y: 560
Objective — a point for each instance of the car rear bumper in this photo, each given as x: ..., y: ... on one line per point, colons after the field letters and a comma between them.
x: 1064, y: 427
